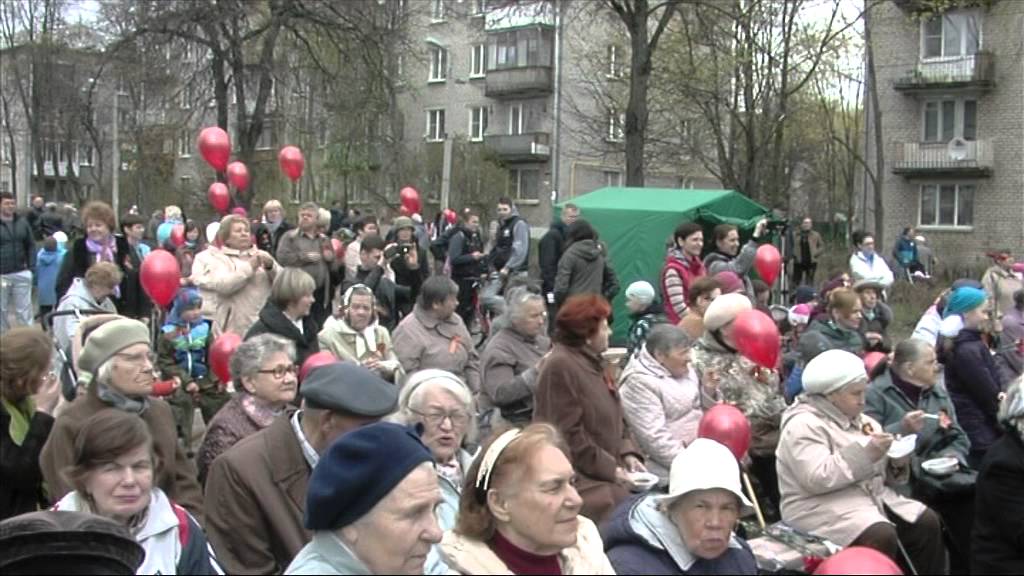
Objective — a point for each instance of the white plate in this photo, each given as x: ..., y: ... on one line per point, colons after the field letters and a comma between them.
x: 940, y: 466
x: 903, y: 447
x: 643, y: 480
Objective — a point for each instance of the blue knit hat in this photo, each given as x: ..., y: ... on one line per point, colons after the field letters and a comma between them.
x: 358, y: 471
x: 964, y: 299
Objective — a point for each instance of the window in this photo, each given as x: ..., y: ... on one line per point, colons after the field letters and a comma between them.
x: 947, y: 205
x: 435, y: 125
x: 186, y: 97
x: 615, y: 122
x: 524, y: 184
x: 85, y: 155
x: 515, y: 119
x: 948, y: 119
x: 479, y: 7
x: 612, y: 178
x: 614, y: 61
x: 437, y: 10
x: 184, y: 150
x: 477, y: 123
x: 478, y: 61
x: 505, y: 50
x: 186, y: 182
x: 268, y: 136
x: 954, y: 34
x: 438, y: 64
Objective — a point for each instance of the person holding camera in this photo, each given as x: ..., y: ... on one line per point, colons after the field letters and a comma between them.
x: 728, y: 257
x: 409, y: 263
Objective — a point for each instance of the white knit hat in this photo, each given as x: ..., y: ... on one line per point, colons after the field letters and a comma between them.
x: 640, y: 292
x: 724, y: 310
x: 704, y: 465
x: 831, y: 370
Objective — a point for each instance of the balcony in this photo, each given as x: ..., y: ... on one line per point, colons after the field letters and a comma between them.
x: 518, y: 83
x: 512, y: 148
x: 519, y: 15
x: 971, y: 159
x: 973, y: 72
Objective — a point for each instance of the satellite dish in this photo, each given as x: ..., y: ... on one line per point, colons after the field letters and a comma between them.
x: 957, y: 149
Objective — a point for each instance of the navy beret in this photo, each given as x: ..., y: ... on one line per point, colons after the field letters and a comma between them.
x: 348, y: 387
x: 358, y: 471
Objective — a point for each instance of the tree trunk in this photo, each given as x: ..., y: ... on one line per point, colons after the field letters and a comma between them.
x: 636, y: 109
x: 876, y: 118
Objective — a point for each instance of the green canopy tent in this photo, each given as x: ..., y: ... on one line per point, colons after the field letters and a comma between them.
x: 636, y: 224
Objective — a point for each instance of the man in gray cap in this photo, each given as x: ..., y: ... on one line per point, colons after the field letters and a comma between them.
x: 256, y: 491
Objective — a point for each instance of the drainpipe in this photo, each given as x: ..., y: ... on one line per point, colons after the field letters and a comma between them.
x: 557, y: 150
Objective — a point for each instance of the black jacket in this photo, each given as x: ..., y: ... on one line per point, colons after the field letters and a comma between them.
x: 21, y: 490
x: 409, y: 278
x: 583, y: 269
x: 460, y: 247
x: 550, y: 252
x: 267, y: 240
x: 50, y: 222
x: 273, y: 321
x: 973, y: 383
x: 997, y: 542
x: 78, y: 259
x: 134, y: 302
x: 17, y: 246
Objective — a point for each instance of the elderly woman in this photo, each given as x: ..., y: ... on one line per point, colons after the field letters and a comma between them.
x: 233, y: 279
x: 287, y: 313
x: 835, y: 475
x: 690, y: 530
x: 443, y: 405
x: 264, y: 372
x: 113, y: 476
x: 575, y: 394
x: 28, y: 396
x: 116, y: 366
x: 743, y: 384
x: 512, y: 357
x: 999, y: 515
x: 357, y: 337
x: 521, y: 514
x: 645, y: 311
x: 433, y: 336
x: 99, y: 245
x: 843, y: 323
x: 91, y: 293
x: 662, y: 398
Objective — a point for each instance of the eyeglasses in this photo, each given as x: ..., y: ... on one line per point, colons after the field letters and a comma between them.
x: 280, y: 371
x: 458, y: 418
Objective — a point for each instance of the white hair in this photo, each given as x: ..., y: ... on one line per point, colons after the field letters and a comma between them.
x: 419, y: 383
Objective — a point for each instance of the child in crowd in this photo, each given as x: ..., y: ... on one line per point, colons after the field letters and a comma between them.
x: 48, y: 262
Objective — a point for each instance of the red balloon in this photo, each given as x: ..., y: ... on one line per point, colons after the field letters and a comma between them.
x: 858, y: 560
x: 725, y: 424
x: 768, y: 262
x: 178, y: 234
x: 410, y: 199
x: 238, y: 175
x: 339, y: 249
x: 871, y: 359
x: 757, y: 337
x: 219, y: 197
x: 450, y: 216
x: 321, y: 358
x: 220, y: 354
x: 291, y: 161
x: 215, y: 147
x: 160, y: 275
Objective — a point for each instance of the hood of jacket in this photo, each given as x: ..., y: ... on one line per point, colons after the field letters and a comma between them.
x: 588, y: 250
x: 45, y: 257
x: 79, y: 297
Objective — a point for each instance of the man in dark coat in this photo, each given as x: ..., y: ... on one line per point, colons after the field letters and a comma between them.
x: 550, y: 251
x: 17, y: 262
x: 256, y: 491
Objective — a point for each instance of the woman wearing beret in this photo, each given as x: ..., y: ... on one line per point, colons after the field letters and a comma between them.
x: 835, y: 476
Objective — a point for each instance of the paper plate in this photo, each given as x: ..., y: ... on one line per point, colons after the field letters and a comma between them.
x: 903, y: 447
x: 643, y: 480
x: 940, y: 466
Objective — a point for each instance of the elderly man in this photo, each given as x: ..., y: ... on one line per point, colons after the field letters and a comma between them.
x: 308, y: 249
x: 269, y: 232
x: 371, y: 505
x: 510, y: 361
x: 116, y: 364
x: 256, y: 491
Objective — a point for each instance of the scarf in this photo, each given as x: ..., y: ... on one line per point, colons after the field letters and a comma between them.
x: 104, y: 251
x: 257, y: 410
x: 21, y: 413
x: 121, y: 401
x: 452, y: 472
x: 913, y: 393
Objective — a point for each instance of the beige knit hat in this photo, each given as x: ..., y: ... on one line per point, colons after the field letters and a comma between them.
x: 724, y: 310
x: 106, y: 341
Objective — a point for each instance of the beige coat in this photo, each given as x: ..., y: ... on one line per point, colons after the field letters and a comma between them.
x: 1000, y: 285
x: 829, y: 485
x: 237, y: 290
x: 422, y: 341
x: 338, y: 338
x: 466, y: 556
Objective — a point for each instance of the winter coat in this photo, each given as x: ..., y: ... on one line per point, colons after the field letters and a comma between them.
x: 509, y: 373
x: 79, y: 259
x: 50, y: 222
x: 875, y: 269
x: 640, y: 539
x: 17, y: 246
x: 877, y: 320
x: 839, y: 337
x: 753, y: 390
x: 385, y: 293
x: 1001, y: 286
x: 640, y: 325
x: 256, y: 499
x: 347, y: 345
x: 47, y: 267
x: 176, y: 476
x: 65, y: 328
x: 829, y: 485
x: 677, y: 275
x: 973, y: 382
x: 997, y: 541
x: 237, y: 290
x: 574, y: 395
x: 467, y: 556
x: 172, y: 539
x: 22, y: 488
x: 422, y: 341
x: 134, y: 302
x: 550, y: 250
x: 740, y: 265
x: 326, y: 554
x: 273, y: 321
x: 292, y: 249
x: 814, y: 242
x: 905, y: 251
x: 1010, y: 358
x: 411, y: 279
x: 243, y: 416
x: 662, y: 411
x: 447, y: 512
x: 584, y: 269
x: 267, y: 239
x: 461, y: 246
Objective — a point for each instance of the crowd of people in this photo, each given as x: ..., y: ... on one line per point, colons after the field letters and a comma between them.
x: 407, y: 398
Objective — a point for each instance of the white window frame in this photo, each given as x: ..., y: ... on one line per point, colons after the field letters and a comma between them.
x: 961, y: 18
x: 515, y: 128
x: 438, y: 132
x: 938, y: 186
x: 477, y: 123
x: 614, y: 56
x: 438, y: 64
x: 186, y: 97
x: 479, y: 7
x: 438, y: 11
x: 86, y: 159
x: 478, y: 61
x: 616, y: 126
x: 612, y: 178
x: 515, y: 185
x: 184, y: 150
x: 269, y: 125
x: 959, y: 117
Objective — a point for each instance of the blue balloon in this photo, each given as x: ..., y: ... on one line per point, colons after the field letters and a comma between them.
x: 163, y: 232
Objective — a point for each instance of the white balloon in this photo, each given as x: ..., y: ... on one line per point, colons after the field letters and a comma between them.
x: 211, y: 231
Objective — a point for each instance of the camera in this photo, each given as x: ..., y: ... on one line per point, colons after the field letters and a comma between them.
x: 397, y: 250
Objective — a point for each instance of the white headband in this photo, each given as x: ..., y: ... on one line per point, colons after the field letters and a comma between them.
x: 490, y: 458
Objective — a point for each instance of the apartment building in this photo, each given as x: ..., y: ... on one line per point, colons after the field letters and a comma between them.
x: 951, y: 93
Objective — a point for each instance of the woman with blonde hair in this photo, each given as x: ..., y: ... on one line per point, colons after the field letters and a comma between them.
x: 287, y: 312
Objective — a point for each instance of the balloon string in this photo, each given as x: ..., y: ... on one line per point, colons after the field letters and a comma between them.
x: 753, y: 498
